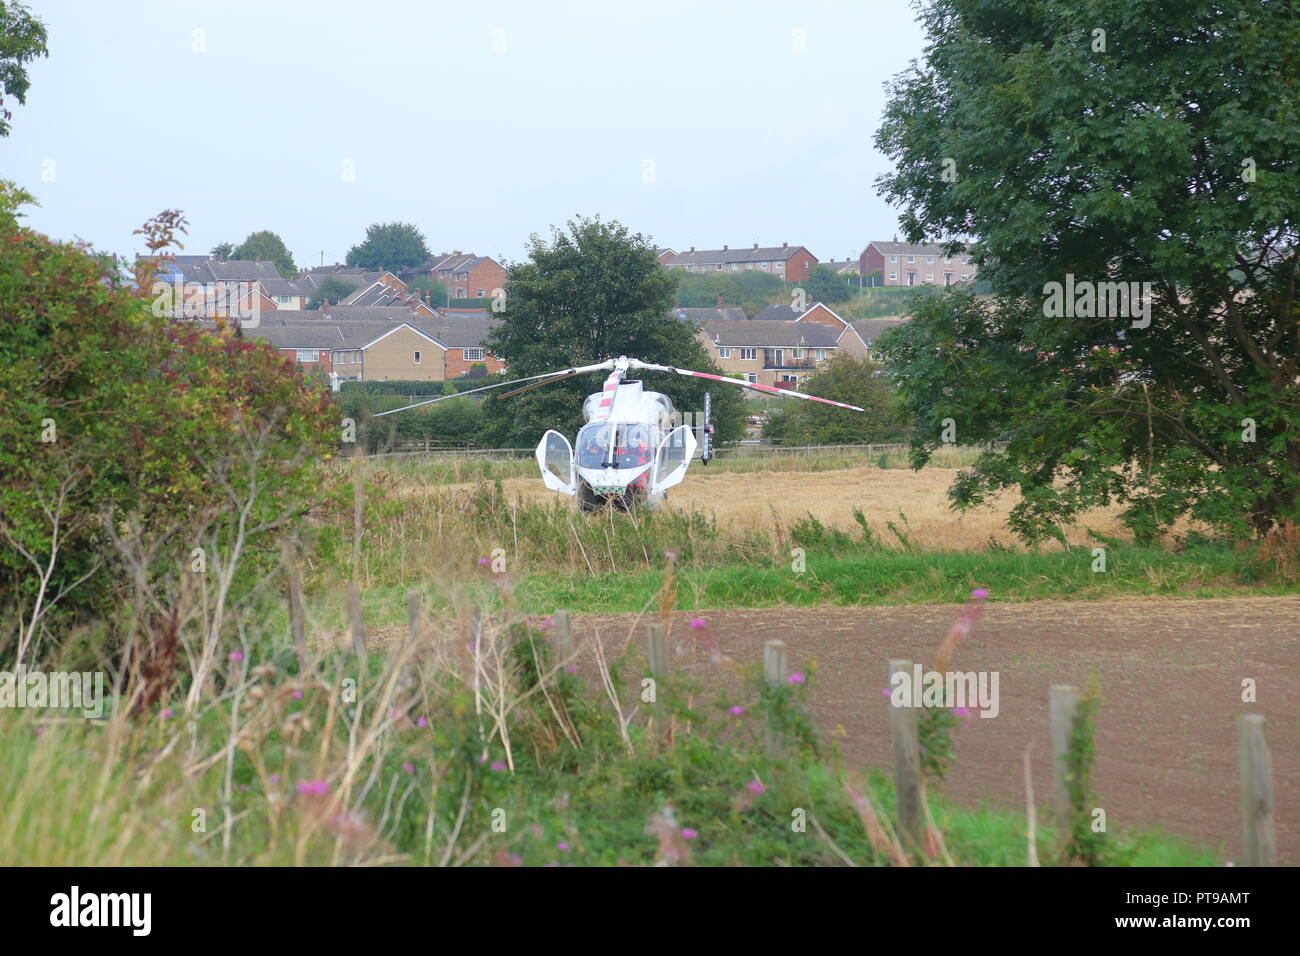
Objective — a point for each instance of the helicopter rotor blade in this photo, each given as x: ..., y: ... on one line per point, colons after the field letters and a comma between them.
x: 548, y: 381
x: 769, y: 389
x: 565, y: 373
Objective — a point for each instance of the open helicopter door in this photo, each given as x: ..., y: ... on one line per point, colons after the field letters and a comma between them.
x: 672, y: 459
x: 555, y: 458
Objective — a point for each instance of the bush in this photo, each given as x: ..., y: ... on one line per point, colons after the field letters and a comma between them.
x: 123, y: 427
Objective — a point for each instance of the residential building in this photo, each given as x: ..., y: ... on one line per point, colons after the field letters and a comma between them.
x: 466, y: 276
x: 369, y: 343
x: 851, y: 337
x: 782, y: 353
x: 912, y: 264
x: 791, y: 263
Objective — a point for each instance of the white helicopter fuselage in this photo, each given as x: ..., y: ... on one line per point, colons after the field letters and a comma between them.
x: 628, y: 447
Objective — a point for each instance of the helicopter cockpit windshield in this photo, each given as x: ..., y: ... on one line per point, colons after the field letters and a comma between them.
x: 631, y: 444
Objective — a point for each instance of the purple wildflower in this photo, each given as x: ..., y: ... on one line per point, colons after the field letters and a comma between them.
x: 688, y: 833
x: 736, y: 710
x: 795, y: 678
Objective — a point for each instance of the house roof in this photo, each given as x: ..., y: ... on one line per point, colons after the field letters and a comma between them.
x: 457, y: 332
x: 912, y: 249
x: 315, y: 330
x: 236, y: 270
x: 871, y: 329
x: 780, y: 313
x: 288, y: 286
x: 704, y: 315
x: 731, y: 333
x: 755, y: 254
x: 844, y: 266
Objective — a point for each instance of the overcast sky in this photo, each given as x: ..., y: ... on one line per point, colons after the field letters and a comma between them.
x: 699, y: 123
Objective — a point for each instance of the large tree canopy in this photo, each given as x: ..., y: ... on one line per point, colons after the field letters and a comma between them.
x: 266, y: 246
x: 595, y: 292
x: 1093, y: 141
x: 389, y: 246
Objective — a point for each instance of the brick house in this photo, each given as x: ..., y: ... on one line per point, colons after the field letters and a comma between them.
x: 791, y: 263
x: 466, y: 276
x: 911, y: 264
x: 369, y: 343
x: 856, y: 338
x: 777, y: 352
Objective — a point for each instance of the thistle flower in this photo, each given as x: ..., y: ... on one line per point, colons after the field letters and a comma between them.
x: 314, y: 787
x: 795, y: 678
x: 736, y: 710
x: 689, y: 834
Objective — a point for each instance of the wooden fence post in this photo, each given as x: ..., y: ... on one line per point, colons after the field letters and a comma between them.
x: 358, y: 627
x: 1063, y: 707
x: 907, y: 765
x: 413, y: 614
x: 656, y: 648
x: 563, y: 635
x: 1258, y: 831
x: 775, y: 667
x: 297, y: 605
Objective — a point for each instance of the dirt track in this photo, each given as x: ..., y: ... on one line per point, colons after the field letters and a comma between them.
x: 1170, y: 671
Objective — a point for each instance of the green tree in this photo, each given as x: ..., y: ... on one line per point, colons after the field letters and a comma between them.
x: 224, y: 250
x: 823, y: 285
x: 22, y: 39
x: 1133, y: 142
x: 844, y: 378
x: 389, y: 246
x: 595, y: 292
x: 331, y: 289
x: 267, y: 246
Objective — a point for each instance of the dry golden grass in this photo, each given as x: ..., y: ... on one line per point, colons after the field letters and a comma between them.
x: 759, y: 499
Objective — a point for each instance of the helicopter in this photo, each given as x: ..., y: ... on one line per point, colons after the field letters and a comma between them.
x: 630, y: 450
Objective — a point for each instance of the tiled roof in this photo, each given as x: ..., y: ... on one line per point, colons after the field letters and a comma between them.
x: 911, y: 249
x: 871, y: 329
x: 710, y: 257
x: 704, y: 315
x: 732, y: 333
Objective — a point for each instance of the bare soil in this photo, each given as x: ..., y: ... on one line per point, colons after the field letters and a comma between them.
x: 1170, y: 674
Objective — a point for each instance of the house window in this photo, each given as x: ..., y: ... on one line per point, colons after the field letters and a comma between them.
x: 778, y: 266
x: 964, y: 277
x: 893, y: 258
x: 763, y: 265
x: 309, y: 355
x: 749, y: 267
x: 778, y: 357
x: 819, y: 354
x: 735, y: 267
x: 418, y: 357
x: 929, y: 277
x: 718, y: 267
x: 798, y: 353
x: 893, y: 276
x: 747, y: 355
x: 929, y: 258
x: 751, y: 378
x: 473, y: 355
x: 480, y: 293
x: 911, y: 258
x: 284, y: 299
x: 724, y: 353
x: 947, y: 278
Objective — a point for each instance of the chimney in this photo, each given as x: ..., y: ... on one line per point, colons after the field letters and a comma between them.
x: 692, y: 248
x: 325, y: 307
x: 785, y: 245
x: 455, y: 252
x: 895, y: 237
x: 756, y: 245
x: 724, y: 248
